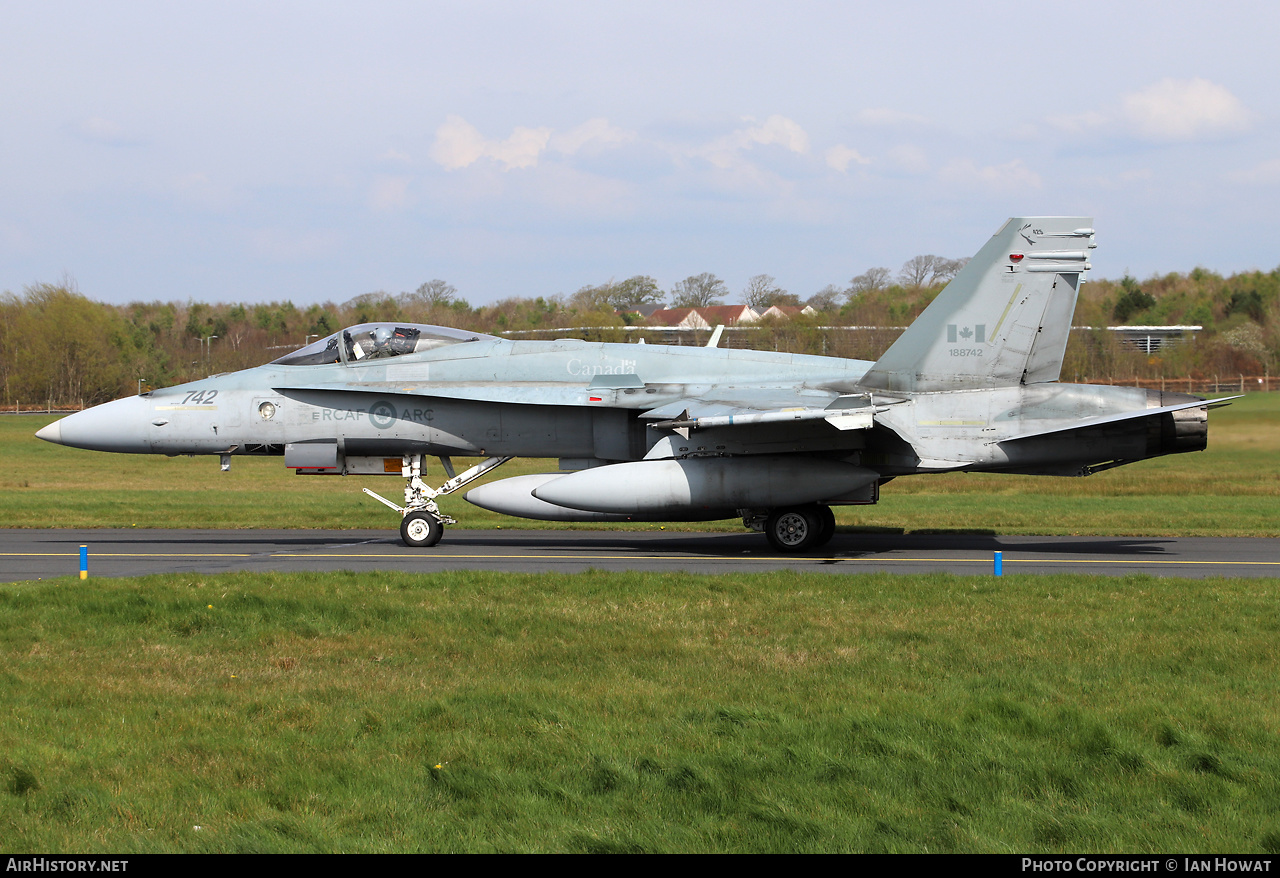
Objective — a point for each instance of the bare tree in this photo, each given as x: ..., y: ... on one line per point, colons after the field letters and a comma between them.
x: 610, y: 296
x: 917, y: 270
x: 762, y: 292
x: 826, y: 299
x: 698, y: 291
x: 945, y: 269
x: 434, y: 293
x: 868, y: 282
x: 926, y: 271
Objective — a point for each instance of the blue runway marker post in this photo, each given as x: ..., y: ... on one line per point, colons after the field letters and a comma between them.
x: 999, y: 566
x: 84, y: 562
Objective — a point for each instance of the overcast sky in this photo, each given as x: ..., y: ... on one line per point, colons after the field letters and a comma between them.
x: 316, y: 151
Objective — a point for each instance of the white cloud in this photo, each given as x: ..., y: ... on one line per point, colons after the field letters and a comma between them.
x: 779, y: 130
x: 1011, y: 176
x: 389, y: 193
x: 776, y: 130
x: 591, y: 135
x: 1168, y: 110
x: 1174, y: 109
x: 841, y: 156
x: 458, y: 144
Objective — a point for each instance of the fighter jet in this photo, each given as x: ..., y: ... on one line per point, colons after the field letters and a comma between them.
x: 649, y: 432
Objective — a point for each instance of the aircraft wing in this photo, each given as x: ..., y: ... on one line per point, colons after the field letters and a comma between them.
x: 676, y: 401
x: 714, y: 406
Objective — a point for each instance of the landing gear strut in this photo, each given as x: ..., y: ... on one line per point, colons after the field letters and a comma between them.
x: 423, y: 523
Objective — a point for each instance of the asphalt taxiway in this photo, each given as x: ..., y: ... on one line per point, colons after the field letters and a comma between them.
x: 44, y: 554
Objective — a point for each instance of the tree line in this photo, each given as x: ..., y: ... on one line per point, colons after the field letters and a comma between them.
x: 762, y: 290
x: 59, y: 346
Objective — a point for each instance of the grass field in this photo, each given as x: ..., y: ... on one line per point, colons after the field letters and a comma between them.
x: 594, y: 712
x: 1232, y: 488
x: 643, y: 712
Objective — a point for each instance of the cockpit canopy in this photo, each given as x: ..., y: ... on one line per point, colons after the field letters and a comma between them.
x: 371, y: 341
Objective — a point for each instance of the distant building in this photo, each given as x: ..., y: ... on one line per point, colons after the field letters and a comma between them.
x: 642, y: 311
x: 786, y: 312
x: 703, y: 318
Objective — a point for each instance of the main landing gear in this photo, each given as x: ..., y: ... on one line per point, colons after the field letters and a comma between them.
x: 423, y: 523
x: 797, y: 528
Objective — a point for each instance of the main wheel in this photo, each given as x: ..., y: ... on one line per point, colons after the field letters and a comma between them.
x: 420, y: 530
x: 793, y: 529
x: 827, y: 521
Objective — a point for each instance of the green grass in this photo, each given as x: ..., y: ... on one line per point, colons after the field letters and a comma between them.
x: 1233, y: 489
x: 630, y: 712
x: 643, y: 712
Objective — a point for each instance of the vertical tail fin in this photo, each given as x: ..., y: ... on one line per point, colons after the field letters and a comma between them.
x: 1003, y: 320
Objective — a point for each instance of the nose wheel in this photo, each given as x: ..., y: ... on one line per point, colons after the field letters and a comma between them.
x: 420, y: 530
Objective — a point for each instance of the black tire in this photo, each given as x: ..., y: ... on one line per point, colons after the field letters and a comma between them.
x: 793, y: 528
x: 420, y: 530
x: 827, y: 526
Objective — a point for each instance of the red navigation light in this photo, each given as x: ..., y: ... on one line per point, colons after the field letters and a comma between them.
x: 1015, y: 257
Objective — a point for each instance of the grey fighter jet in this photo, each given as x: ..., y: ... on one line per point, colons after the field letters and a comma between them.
x: 657, y: 433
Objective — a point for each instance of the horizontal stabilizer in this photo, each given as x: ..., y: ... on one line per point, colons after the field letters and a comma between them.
x: 1124, y: 416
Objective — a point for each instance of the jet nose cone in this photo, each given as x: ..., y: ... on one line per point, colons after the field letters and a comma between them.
x: 51, y: 433
x: 114, y: 426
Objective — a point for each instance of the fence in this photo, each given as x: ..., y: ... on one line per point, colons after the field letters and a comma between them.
x: 50, y: 407
x: 1200, y: 386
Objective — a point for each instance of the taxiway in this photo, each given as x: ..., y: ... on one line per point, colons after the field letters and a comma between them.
x: 43, y: 554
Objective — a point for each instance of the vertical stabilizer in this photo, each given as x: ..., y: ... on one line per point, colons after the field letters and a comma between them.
x: 1003, y: 320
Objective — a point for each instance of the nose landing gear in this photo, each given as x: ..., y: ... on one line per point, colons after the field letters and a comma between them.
x: 422, y: 523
